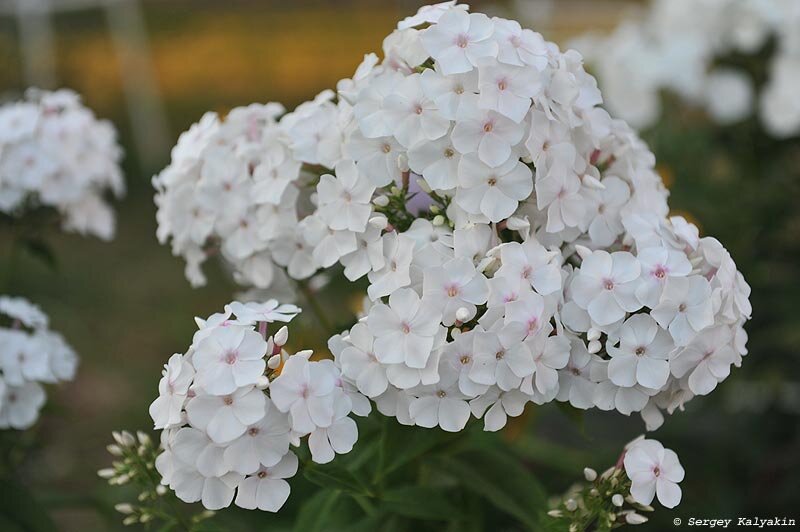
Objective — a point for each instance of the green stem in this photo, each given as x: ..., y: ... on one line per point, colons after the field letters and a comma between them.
x: 365, y: 504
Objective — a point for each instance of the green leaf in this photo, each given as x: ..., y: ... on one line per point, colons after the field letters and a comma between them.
x: 315, y: 513
x: 19, y: 507
x: 419, y: 502
x: 410, y: 445
x: 335, y: 478
x: 504, y: 481
x: 40, y: 250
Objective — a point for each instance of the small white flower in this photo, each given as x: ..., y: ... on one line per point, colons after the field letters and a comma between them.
x: 605, y: 286
x: 654, y: 470
x: 264, y: 443
x: 305, y: 390
x: 441, y: 404
x: 459, y: 40
x: 643, y: 354
x: 172, y: 389
x: 229, y: 358
x: 404, y: 330
x: 345, y: 199
x: 493, y: 192
x: 485, y: 132
x: 266, y: 489
x: 224, y: 418
x: 685, y: 308
x: 455, y: 285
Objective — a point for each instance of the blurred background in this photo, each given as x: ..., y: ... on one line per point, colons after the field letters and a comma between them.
x: 154, y: 67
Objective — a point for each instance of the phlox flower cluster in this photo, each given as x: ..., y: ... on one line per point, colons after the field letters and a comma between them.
x: 681, y: 46
x: 238, y: 186
x: 30, y: 355
x: 515, y: 239
x: 233, y: 405
x: 55, y: 153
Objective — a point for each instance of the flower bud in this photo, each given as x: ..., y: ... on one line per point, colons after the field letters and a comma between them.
x: 590, y: 474
x: 106, y: 473
x: 462, y: 314
x: 143, y: 438
x: 282, y: 336
x: 617, y: 500
x: 438, y: 220
x: 571, y: 505
x: 593, y: 334
x: 595, y: 347
x: 379, y: 222
x: 263, y: 382
x: 635, y: 519
x: 583, y: 251
x: 274, y: 361
x: 381, y: 201
x: 423, y: 185
x: 555, y: 513
x: 402, y: 163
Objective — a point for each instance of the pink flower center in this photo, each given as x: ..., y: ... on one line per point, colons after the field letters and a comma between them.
x: 462, y: 41
x: 502, y: 85
x: 608, y: 284
x: 452, y: 291
x: 405, y: 327
x: 231, y: 357
x: 657, y: 471
x: 488, y: 127
x: 660, y: 272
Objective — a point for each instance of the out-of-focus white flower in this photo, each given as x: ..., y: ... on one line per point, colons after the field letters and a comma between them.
x: 55, y: 153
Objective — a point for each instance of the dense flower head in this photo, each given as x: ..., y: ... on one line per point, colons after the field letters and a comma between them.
x: 54, y: 153
x: 30, y: 355
x: 681, y: 46
x: 515, y: 239
x: 234, y: 403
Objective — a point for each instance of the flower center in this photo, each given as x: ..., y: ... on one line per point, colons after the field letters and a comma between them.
x: 639, y: 351
x: 448, y: 153
x: 253, y: 431
x: 441, y: 394
x: 502, y: 84
x: 231, y: 357
x: 499, y: 355
x: 452, y: 291
x: 465, y: 359
x: 386, y: 148
x: 660, y: 272
x: 682, y: 307
x: 608, y: 284
x: 418, y: 109
x: 228, y: 400
x: 492, y: 181
x: 488, y: 127
x: 262, y: 474
x: 405, y: 327
x: 657, y: 471
x: 462, y: 41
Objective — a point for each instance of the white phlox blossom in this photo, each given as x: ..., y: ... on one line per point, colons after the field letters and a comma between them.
x: 654, y: 472
x: 55, y: 153
x: 31, y: 355
x: 232, y: 406
x: 515, y: 241
x: 681, y: 45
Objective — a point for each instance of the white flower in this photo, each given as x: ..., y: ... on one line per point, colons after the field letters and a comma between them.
x: 490, y: 134
x: 20, y: 405
x: 264, y: 443
x: 398, y: 252
x: 404, y: 330
x: 454, y: 285
x: 173, y: 391
x: 266, y: 489
x: 360, y: 364
x: 654, y: 470
x: 549, y: 354
x: 501, y: 358
x: 658, y: 265
x: 605, y: 286
x: 413, y: 116
x: 441, y: 404
x: 685, y: 308
x: 345, y: 199
x: 229, y: 358
x: 706, y: 360
x: 305, y: 390
x: 493, y: 192
x: 495, y: 407
x: 459, y: 40
x: 519, y: 46
x: 508, y: 89
x: 531, y: 264
x: 450, y: 93
x: 377, y: 158
x: 224, y: 418
x: 339, y: 438
x: 643, y: 354
x: 574, y: 381
x: 528, y: 311
x: 437, y: 161
x: 430, y: 14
